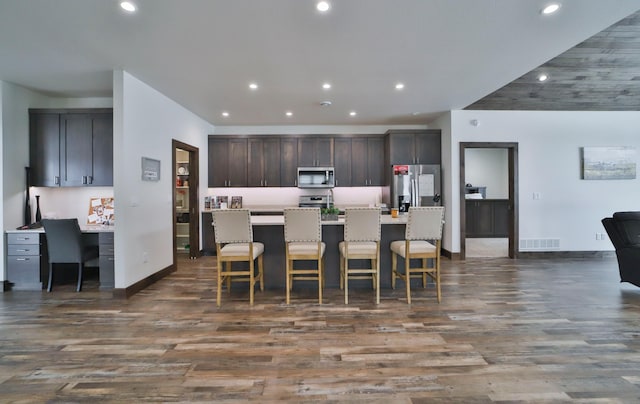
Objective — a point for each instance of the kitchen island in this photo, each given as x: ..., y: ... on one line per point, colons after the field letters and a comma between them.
x: 269, y: 230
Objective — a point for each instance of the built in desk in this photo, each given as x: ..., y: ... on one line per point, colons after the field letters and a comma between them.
x: 27, y: 259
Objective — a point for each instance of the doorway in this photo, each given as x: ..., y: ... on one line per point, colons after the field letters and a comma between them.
x: 186, y: 221
x: 482, y: 216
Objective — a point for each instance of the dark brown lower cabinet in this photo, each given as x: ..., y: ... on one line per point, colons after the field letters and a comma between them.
x: 487, y: 218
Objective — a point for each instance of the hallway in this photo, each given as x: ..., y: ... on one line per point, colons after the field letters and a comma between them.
x: 563, y: 330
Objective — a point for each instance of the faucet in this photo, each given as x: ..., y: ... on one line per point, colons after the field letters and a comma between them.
x: 329, y: 198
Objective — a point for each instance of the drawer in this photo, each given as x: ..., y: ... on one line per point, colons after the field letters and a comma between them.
x: 105, y: 238
x: 23, y: 249
x: 23, y: 238
x: 24, y: 272
x: 106, y: 250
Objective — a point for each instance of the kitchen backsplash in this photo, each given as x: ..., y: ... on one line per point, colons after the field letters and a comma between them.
x: 356, y: 196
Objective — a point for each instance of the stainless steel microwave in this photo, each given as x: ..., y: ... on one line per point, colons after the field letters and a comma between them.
x: 316, y: 177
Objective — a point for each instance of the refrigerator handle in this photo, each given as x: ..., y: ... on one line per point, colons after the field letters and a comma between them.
x: 414, y: 193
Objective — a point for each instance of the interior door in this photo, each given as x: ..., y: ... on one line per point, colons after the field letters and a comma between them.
x: 186, y: 217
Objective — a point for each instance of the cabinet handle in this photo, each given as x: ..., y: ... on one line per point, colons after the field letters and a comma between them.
x: 90, y: 178
x: 84, y: 180
x: 56, y: 180
x: 23, y: 238
x: 23, y: 250
x: 22, y: 259
x: 265, y: 183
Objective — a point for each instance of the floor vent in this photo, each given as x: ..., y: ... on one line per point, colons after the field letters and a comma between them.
x: 539, y: 244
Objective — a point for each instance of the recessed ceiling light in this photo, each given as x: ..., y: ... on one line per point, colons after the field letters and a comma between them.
x: 128, y: 6
x: 225, y: 114
x: 551, y: 8
x: 353, y: 113
x: 289, y: 113
x: 399, y: 86
x: 326, y: 86
x: 253, y: 86
x: 543, y: 77
x: 323, y: 6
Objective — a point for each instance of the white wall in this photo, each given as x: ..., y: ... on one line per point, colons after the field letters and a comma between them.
x: 451, y: 204
x: 569, y: 209
x: 488, y: 168
x: 145, y: 122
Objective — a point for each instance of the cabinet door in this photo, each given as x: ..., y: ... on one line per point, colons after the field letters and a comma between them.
x: 271, y: 162
x: 76, y: 149
x: 315, y: 152
x: 306, y: 152
x: 427, y: 147
x: 401, y: 148
x: 484, y: 218
x: 237, y: 162
x: 288, y: 162
x: 501, y: 218
x: 375, y: 161
x: 255, y: 163
x: 324, y: 152
x: 44, y: 149
x: 102, y: 138
x: 359, y: 155
x: 218, y: 162
x: 342, y: 162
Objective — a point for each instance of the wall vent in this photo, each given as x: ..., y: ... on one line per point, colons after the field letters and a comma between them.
x: 536, y: 244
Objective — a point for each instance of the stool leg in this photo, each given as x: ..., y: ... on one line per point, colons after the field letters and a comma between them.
x: 50, y: 277
x: 79, y: 287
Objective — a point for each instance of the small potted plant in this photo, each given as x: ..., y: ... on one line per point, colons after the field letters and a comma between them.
x: 329, y: 213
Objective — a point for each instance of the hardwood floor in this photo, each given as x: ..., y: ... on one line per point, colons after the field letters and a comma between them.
x: 529, y: 330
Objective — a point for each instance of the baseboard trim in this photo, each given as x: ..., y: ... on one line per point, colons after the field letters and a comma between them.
x: 566, y: 254
x: 451, y: 255
x: 5, y: 286
x: 143, y: 283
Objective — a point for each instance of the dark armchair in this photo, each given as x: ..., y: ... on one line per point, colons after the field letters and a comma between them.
x: 65, y: 246
x: 624, y: 231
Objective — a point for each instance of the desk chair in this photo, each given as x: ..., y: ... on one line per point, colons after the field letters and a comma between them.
x: 361, y: 241
x: 64, y: 243
x: 303, y: 241
x: 234, y: 243
x: 424, y: 223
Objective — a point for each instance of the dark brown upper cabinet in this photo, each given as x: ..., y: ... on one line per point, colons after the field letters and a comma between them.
x: 367, y: 162
x: 227, y: 162
x: 414, y: 146
x: 315, y: 151
x: 342, y: 159
x: 264, y: 162
x: 288, y: 161
x: 71, y: 148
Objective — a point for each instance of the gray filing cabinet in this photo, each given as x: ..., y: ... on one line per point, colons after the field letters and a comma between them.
x: 107, y: 256
x: 23, y: 261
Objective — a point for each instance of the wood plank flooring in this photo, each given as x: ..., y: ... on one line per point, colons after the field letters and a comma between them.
x: 528, y: 330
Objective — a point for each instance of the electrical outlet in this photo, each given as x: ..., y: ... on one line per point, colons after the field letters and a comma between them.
x: 145, y: 257
x: 537, y: 195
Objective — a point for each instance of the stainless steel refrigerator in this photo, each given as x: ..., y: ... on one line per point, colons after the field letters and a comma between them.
x: 415, y: 185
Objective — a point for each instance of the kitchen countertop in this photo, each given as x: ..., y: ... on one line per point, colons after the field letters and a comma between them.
x: 278, y: 220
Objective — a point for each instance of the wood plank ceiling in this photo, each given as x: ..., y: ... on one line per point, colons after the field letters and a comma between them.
x: 600, y: 74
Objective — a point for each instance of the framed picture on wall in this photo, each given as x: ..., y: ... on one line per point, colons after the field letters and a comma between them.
x: 609, y: 163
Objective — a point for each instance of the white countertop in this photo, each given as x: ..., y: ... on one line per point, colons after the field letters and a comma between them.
x: 278, y: 220
x: 85, y: 228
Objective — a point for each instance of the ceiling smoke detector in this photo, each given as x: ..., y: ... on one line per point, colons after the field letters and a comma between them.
x: 325, y: 103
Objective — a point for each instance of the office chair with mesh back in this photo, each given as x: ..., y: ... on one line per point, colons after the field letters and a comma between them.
x: 64, y: 245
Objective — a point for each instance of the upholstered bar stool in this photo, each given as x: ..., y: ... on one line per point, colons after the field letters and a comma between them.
x: 234, y: 243
x: 361, y: 241
x: 303, y: 241
x: 424, y: 224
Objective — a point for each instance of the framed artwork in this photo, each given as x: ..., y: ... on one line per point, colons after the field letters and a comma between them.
x: 150, y: 169
x: 609, y: 163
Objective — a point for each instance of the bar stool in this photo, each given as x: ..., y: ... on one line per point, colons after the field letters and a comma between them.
x: 424, y: 223
x: 234, y: 243
x: 361, y: 241
x: 303, y: 241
